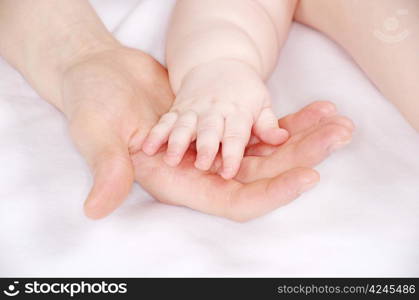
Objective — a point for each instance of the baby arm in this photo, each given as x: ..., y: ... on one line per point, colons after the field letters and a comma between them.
x: 219, y: 53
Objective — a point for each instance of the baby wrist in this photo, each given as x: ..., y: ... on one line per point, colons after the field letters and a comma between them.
x: 178, y: 77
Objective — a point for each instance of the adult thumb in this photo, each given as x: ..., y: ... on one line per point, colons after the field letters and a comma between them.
x: 111, y: 165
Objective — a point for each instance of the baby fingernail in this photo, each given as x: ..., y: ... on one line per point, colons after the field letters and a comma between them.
x: 148, y: 148
x: 216, y: 166
x: 226, y: 173
x: 171, y: 159
x: 282, y: 131
x: 202, y: 165
x: 203, y: 162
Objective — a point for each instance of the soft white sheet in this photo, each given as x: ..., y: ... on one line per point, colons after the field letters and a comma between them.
x: 362, y: 220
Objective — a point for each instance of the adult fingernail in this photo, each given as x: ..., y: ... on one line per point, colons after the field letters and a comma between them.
x: 338, y: 145
x: 307, y: 187
x: 308, y: 182
x: 327, y: 108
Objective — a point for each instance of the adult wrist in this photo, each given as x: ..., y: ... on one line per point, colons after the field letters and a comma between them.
x: 45, y: 65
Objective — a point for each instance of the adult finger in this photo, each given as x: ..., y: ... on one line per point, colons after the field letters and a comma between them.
x: 209, y: 193
x: 306, y: 151
x: 307, y: 116
x: 108, y: 157
x: 260, y: 197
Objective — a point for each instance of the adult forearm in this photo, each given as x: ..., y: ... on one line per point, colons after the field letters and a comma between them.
x: 44, y: 37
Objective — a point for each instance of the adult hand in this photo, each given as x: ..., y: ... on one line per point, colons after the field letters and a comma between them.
x: 112, y: 98
x: 112, y: 95
x: 269, y: 176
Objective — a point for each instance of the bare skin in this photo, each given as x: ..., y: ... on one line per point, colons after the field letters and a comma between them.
x: 219, y: 53
x: 139, y: 103
x: 113, y: 95
x: 316, y: 131
x: 383, y: 38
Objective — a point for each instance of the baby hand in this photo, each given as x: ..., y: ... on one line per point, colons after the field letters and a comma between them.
x: 221, y: 101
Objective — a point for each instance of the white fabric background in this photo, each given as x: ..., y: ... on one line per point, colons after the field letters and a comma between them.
x: 362, y: 220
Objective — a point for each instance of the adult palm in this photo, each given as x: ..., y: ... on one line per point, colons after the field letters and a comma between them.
x: 269, y: 176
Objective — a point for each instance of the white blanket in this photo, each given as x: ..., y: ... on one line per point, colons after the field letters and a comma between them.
x: 362, y: 220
